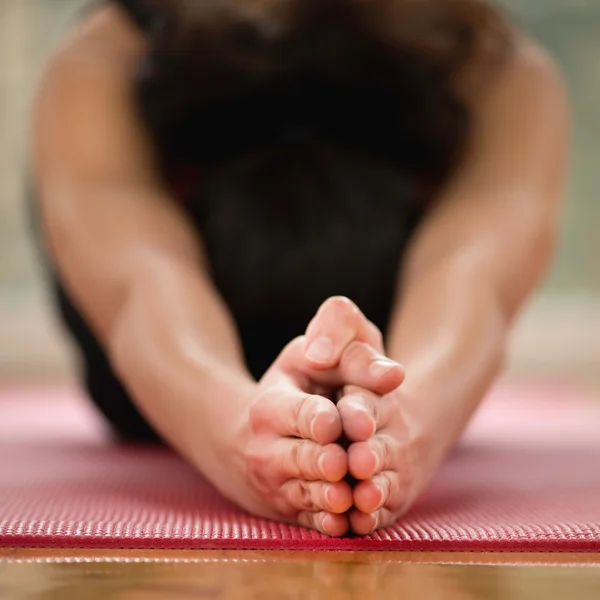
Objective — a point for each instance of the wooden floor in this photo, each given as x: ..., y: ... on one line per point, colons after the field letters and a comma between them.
x: 270, y: 575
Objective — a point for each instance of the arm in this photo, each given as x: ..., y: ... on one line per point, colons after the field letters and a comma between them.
x: 127, y: 255
x: 137, y: 271
x: 478, y: 256
x: 483, y: 249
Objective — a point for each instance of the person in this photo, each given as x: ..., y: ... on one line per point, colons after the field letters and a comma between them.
x: 289, y: 239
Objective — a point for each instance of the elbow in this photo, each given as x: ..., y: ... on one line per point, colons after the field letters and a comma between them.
x: 120, y: 340
x: 540, y: 69
x: 527, y: 273
x: 544, y: 247
x: 128, y: 330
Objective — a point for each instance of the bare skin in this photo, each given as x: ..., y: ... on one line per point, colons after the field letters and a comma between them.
x: 469, y: 272
x: 286, y: 408
x: 137, y: 271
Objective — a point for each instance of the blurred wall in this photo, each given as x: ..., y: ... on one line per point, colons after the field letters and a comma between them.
x: 559, y: 335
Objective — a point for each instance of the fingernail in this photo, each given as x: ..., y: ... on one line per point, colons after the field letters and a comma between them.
x: 327, y: 494
x: 381, y: 366
x: 321, y: 464
x: 320, y: 351
x: 376, y: 518
x: 326, y: 529
x: 378, y: 463
x: 313, y: 425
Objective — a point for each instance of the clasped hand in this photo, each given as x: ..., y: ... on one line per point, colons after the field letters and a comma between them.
x: 327, y: 446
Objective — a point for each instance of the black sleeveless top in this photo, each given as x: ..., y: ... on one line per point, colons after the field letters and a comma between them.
x: 274, y: 303
x: 137, y: 11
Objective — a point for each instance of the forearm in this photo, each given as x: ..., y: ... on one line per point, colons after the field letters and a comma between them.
x: 500, y: 208
x: 175, y: 348
x: 450, y: 332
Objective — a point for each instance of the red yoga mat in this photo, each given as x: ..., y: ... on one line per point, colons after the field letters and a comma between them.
x: 526, y: 477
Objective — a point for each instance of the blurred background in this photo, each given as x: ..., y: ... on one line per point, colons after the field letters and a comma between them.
x: 558, y: 337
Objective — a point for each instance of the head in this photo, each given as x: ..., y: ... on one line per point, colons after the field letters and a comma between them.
x: 314, y: 115
x: 378, y: 74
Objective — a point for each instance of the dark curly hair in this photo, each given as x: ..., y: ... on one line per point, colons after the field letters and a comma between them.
x: 312, y: 118
x: 371, y: 73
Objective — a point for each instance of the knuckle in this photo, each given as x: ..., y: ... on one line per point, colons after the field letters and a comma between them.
x: 292, y: 349
x: 344, y: 403
x: 307, y: 519
x: 345, y: 310
x: 298, y: 341
x: 283, y: 506
x: 408, y: 455
x: 378, y: 517
x: 306, y: 461
x: 352, y: 390
x: 372, y: 409
x: 340, y: 302
x: 385, y: 518
x: 405, y: 476
x: 296, y: 459
x: 302, y: 406
x: 304, y: 496
x: 351, y: 403
x: 388, y: 452
x: 354, y: 354
x: 376, y: 333
x: 312, y: 326
x: 303, y: 460
x: 382, y: 447
x: 258, y: 469
x: 387, y: 411
x: 255, y: 456
x: 399, y: 497
x: 257, y: 416
x: 387, y: 485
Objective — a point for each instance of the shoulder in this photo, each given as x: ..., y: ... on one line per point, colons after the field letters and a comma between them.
x: 106, y: 40
x: 83, y: 116
x: 527, y: 70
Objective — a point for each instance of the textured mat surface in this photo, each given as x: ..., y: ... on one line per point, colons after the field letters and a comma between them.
x: 526, y: 476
